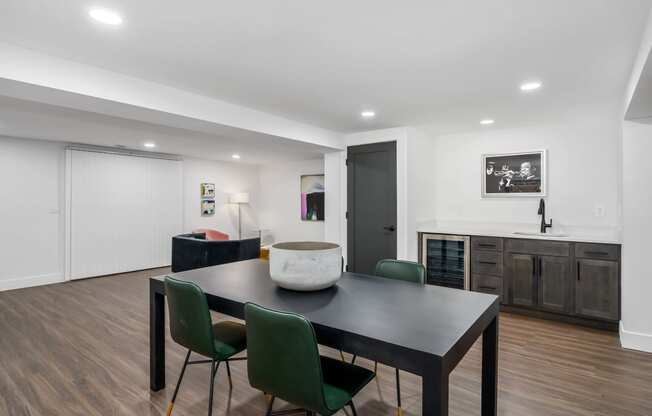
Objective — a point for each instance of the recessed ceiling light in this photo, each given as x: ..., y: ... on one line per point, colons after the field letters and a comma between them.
x: 106, y: 16
x: 487, y: 121
x: 149, y: 145
x: 368, y: 114
x: 531, y: 86
x: 235, y: 156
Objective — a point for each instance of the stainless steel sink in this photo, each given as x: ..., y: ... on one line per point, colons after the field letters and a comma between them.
x: 537, y: 234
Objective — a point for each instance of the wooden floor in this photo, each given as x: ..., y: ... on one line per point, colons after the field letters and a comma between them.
x: 81, y: 348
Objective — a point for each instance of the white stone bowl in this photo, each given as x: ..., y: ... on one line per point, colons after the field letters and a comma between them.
x: 305, y: 265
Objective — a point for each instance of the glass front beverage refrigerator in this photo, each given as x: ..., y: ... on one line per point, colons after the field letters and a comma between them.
x: 446, y: 258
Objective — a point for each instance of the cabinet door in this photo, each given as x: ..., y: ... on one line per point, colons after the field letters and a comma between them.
x: 521, y: 272
x: 597, y: 289
x: 555, y: 284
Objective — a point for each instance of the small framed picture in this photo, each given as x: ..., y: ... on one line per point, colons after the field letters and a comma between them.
x: 312, y: 197
x: 207, y: 190
x: 207, y: 207
x: 514, y: 174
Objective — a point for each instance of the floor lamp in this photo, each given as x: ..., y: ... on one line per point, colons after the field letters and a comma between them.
x: 241, y: 198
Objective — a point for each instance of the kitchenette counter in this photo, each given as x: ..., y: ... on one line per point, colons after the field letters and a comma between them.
x: 603, y: 235
x: 570, y: 274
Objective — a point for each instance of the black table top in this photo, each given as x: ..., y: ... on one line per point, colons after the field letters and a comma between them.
x: 430, y: 319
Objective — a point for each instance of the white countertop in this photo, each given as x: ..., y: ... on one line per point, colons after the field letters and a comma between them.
x: 606, y: 235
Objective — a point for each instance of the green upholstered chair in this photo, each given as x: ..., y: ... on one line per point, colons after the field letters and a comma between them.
x: 284, y: 362
x: 407, y: 271
x: 191, y: 326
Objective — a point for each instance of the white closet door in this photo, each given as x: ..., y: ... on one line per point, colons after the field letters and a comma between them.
x: 119, y: 221
x: 166, y: 208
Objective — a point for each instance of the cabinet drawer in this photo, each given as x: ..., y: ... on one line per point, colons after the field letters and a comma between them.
x: 488, y: 284
x: 538, y: 247
x: 596, y: 251
x: 487, y: 262
x: 487, y: 243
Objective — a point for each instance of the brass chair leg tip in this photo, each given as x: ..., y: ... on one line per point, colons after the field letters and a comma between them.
x: 169, y: 412
x: 399, y: 412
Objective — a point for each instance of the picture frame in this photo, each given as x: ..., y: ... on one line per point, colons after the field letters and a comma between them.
x: 207, y: 190
x: 514, y: 175
x: 312, y: 197
x: 207, y: 207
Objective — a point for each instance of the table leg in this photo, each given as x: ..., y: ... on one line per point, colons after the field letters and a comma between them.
x: 435, y: 392
x: 156, y: 339
x: 490, y: 369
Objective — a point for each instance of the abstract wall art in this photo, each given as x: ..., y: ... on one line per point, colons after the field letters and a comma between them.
x: 312, y: 197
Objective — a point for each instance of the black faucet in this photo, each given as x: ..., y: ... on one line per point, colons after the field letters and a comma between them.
x: 542, y: 212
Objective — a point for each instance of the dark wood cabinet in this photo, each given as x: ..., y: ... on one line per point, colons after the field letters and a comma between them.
x: 555, y: 284
x: 522, y: 272
x: 570, y: 281
x: 598, y: 289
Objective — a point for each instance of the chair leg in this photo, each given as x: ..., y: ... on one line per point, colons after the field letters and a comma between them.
x: 228, y: 371
x: 353, y: 359
x: 353, y: 408
x: 342, y: 355
x: 269, y: 407
x: 399, y: 411
x: 375, y: 367
x: 176, y: 389
x: 214, y: 367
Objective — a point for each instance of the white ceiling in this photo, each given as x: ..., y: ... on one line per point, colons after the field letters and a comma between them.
x: 28, y: 119
x: 447, y: 63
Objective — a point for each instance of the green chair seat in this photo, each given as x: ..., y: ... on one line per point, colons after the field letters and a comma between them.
x: 342, y: 381
x: 230, y: 338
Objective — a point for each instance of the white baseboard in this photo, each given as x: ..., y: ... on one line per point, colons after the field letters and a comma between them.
x: 635, y: 340
x: 29, y: 281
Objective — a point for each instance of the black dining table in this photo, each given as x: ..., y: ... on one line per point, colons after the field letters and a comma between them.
x: 424, y: 330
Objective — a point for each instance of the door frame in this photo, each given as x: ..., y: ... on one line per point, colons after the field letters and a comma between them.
x: 399, y: 135
x: 369, y: 148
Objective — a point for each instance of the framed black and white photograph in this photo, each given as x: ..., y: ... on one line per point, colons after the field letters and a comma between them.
x: 514, y: 174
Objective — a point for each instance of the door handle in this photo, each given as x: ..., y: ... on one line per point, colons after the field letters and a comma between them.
x: 540, y: 266
x: 390, y: 228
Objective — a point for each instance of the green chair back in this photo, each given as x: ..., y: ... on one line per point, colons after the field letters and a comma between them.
x: 190, y: 321
x: 283, y: 359
x: 408, y: 271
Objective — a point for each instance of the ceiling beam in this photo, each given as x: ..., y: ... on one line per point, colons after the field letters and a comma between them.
x: 32, y: 76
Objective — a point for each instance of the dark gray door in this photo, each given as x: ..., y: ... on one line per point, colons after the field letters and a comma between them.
x: 371, y: 199
x: 521, y: 272
x: 555, y: 284
x: 597, y: 289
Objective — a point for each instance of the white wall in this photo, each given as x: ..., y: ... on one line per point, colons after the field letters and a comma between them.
x: 229, y: 178
x: 414, y: 184
x: 280, y: 202
x: 334, y: 181
x: 32, y: 182
x: 421, y: 186
x: 31, y: 212
x: 583, y: 173
x: 636, y: 323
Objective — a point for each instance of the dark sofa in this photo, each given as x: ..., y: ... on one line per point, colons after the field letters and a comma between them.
x: 193, y: 251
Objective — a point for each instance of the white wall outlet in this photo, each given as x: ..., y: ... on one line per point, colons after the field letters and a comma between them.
x: 598, y: 210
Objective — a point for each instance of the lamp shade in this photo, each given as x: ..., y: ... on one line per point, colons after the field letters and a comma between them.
x: 241, y: 198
